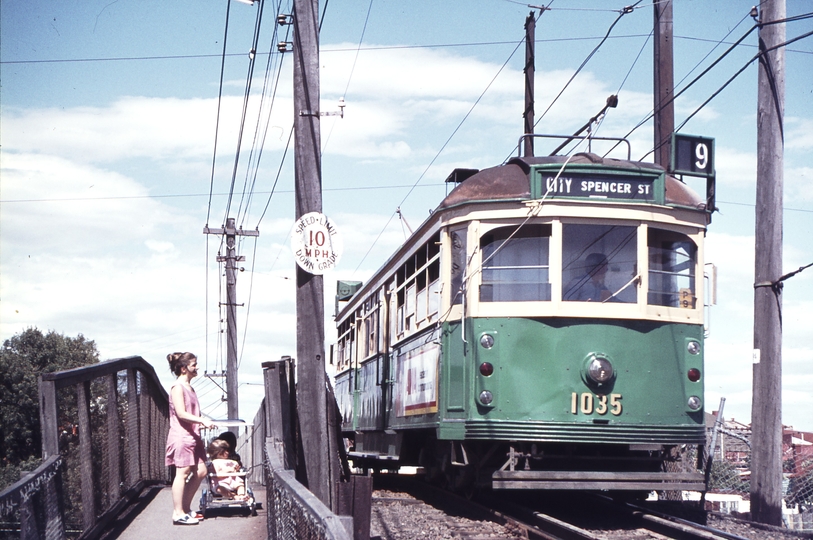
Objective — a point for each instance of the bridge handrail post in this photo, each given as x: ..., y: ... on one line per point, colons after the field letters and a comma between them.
x: 112, y: 442
x: 49, y: 421
x: 277, y: 377
x: 133, y: 462
x: 86, y: 455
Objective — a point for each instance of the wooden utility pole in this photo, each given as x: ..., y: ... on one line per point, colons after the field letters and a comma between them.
x: 310, y: 317
x: 766, y: 408
x: 530, y: 61
x: 664, y: 82
x: 231, y: 259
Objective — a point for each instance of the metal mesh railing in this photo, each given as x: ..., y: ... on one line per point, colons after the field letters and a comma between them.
x: 294, y: 513
x: 30, y: 508
x: 104, y: 429
x: 729, y: 479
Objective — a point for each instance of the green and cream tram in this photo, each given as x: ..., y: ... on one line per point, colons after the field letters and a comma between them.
x: 542, y: 329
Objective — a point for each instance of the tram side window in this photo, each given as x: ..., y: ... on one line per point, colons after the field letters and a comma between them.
x: 515, y: 264
x: 417, y: 284
x: 370, y: 326
x: 672, y: 262
x: 344, y: 346
x: 599, y: 263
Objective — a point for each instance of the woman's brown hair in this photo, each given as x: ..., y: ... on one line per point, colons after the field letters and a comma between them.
x: 179, y: 360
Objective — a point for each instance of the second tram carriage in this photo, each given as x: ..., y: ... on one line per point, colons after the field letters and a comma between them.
x: 542, y: 329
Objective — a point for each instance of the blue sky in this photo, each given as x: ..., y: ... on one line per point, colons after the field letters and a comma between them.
x: 107, y: 126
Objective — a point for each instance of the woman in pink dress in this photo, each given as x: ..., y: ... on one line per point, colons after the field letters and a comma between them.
x: 185, y: 448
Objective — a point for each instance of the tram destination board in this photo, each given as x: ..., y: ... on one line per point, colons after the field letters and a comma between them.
x: 596, y: 186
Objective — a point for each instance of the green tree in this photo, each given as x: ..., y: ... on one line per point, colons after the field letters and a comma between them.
x: 23, y: 358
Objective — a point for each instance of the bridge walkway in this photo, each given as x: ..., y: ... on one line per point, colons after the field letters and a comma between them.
x: 150, y: 516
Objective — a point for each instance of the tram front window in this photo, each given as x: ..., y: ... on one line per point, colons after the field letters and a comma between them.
x: 515, y: 264
x: 672, y: 262
x: 599, y: 263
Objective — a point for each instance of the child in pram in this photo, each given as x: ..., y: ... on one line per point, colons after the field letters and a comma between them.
x: 228, y: 477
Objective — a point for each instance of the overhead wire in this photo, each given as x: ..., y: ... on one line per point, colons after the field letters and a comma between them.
x: 243, y: 113
x: 626, y: 10
x: 738, y: 73
x: 697, y: 65
x: 248, y: 303
x: 731, y: 79
x: 212, y: 179
x: 352, y: 68
x: 257, y: 147
x: 219, y: 102
x: 731, y: 48
x: 443, y: 147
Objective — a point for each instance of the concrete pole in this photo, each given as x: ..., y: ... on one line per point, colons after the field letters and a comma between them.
x: 766, y: 410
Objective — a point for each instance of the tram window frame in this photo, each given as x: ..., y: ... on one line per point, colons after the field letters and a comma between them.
x: 663, y: 248
x: 599, y: 262
x: 516, y: 242
x: 414, y: 282
x: 458, y: 248
x: 368, y: 316
x: 345, y: 343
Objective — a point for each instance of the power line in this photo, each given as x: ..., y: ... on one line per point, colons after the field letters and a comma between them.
x: 732, y: 78
x: 191, y: 195
x: 622, y: 12
x: 340, y: 49
x: 246, y: 95
x: 255, y: 164
x: 352, y: 68
x: 442, y: 148
x: 219, y: 101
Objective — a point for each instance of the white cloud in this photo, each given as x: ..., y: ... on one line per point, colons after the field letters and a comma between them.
x: 161, y: 129
x: 799, y: 133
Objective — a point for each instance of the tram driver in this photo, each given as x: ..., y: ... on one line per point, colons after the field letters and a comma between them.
x: 590, y: 286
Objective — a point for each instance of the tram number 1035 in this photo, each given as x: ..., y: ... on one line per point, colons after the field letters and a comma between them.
x: 589, y: 403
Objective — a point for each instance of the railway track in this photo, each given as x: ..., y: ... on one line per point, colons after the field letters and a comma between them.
x: 576, y: 516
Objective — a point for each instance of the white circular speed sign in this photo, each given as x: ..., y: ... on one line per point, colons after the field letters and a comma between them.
x: 316, y: 243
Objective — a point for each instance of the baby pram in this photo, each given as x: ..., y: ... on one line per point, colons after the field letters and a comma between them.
x: 211, y: 501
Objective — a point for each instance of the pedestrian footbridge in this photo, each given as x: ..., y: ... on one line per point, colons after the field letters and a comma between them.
x: 102, y: 475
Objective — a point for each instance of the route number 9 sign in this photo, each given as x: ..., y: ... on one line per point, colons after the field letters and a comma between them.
x: 316, y: 243
x: 692, y: 155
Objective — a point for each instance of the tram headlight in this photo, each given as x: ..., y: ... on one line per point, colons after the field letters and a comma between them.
x: 486, y: 397
x: 487, y: 341
x: 600, y: 369
x: 693, y: 347
x: 694, y: 403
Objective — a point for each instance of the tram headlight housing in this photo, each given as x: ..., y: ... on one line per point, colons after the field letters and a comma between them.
x: 486, y: 397
x: 487, y: 341
x: 693, y: 347
x: 600, y: 369
x: 694, y: 403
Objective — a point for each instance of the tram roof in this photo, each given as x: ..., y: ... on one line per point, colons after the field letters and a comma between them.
x: 511, y: 181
